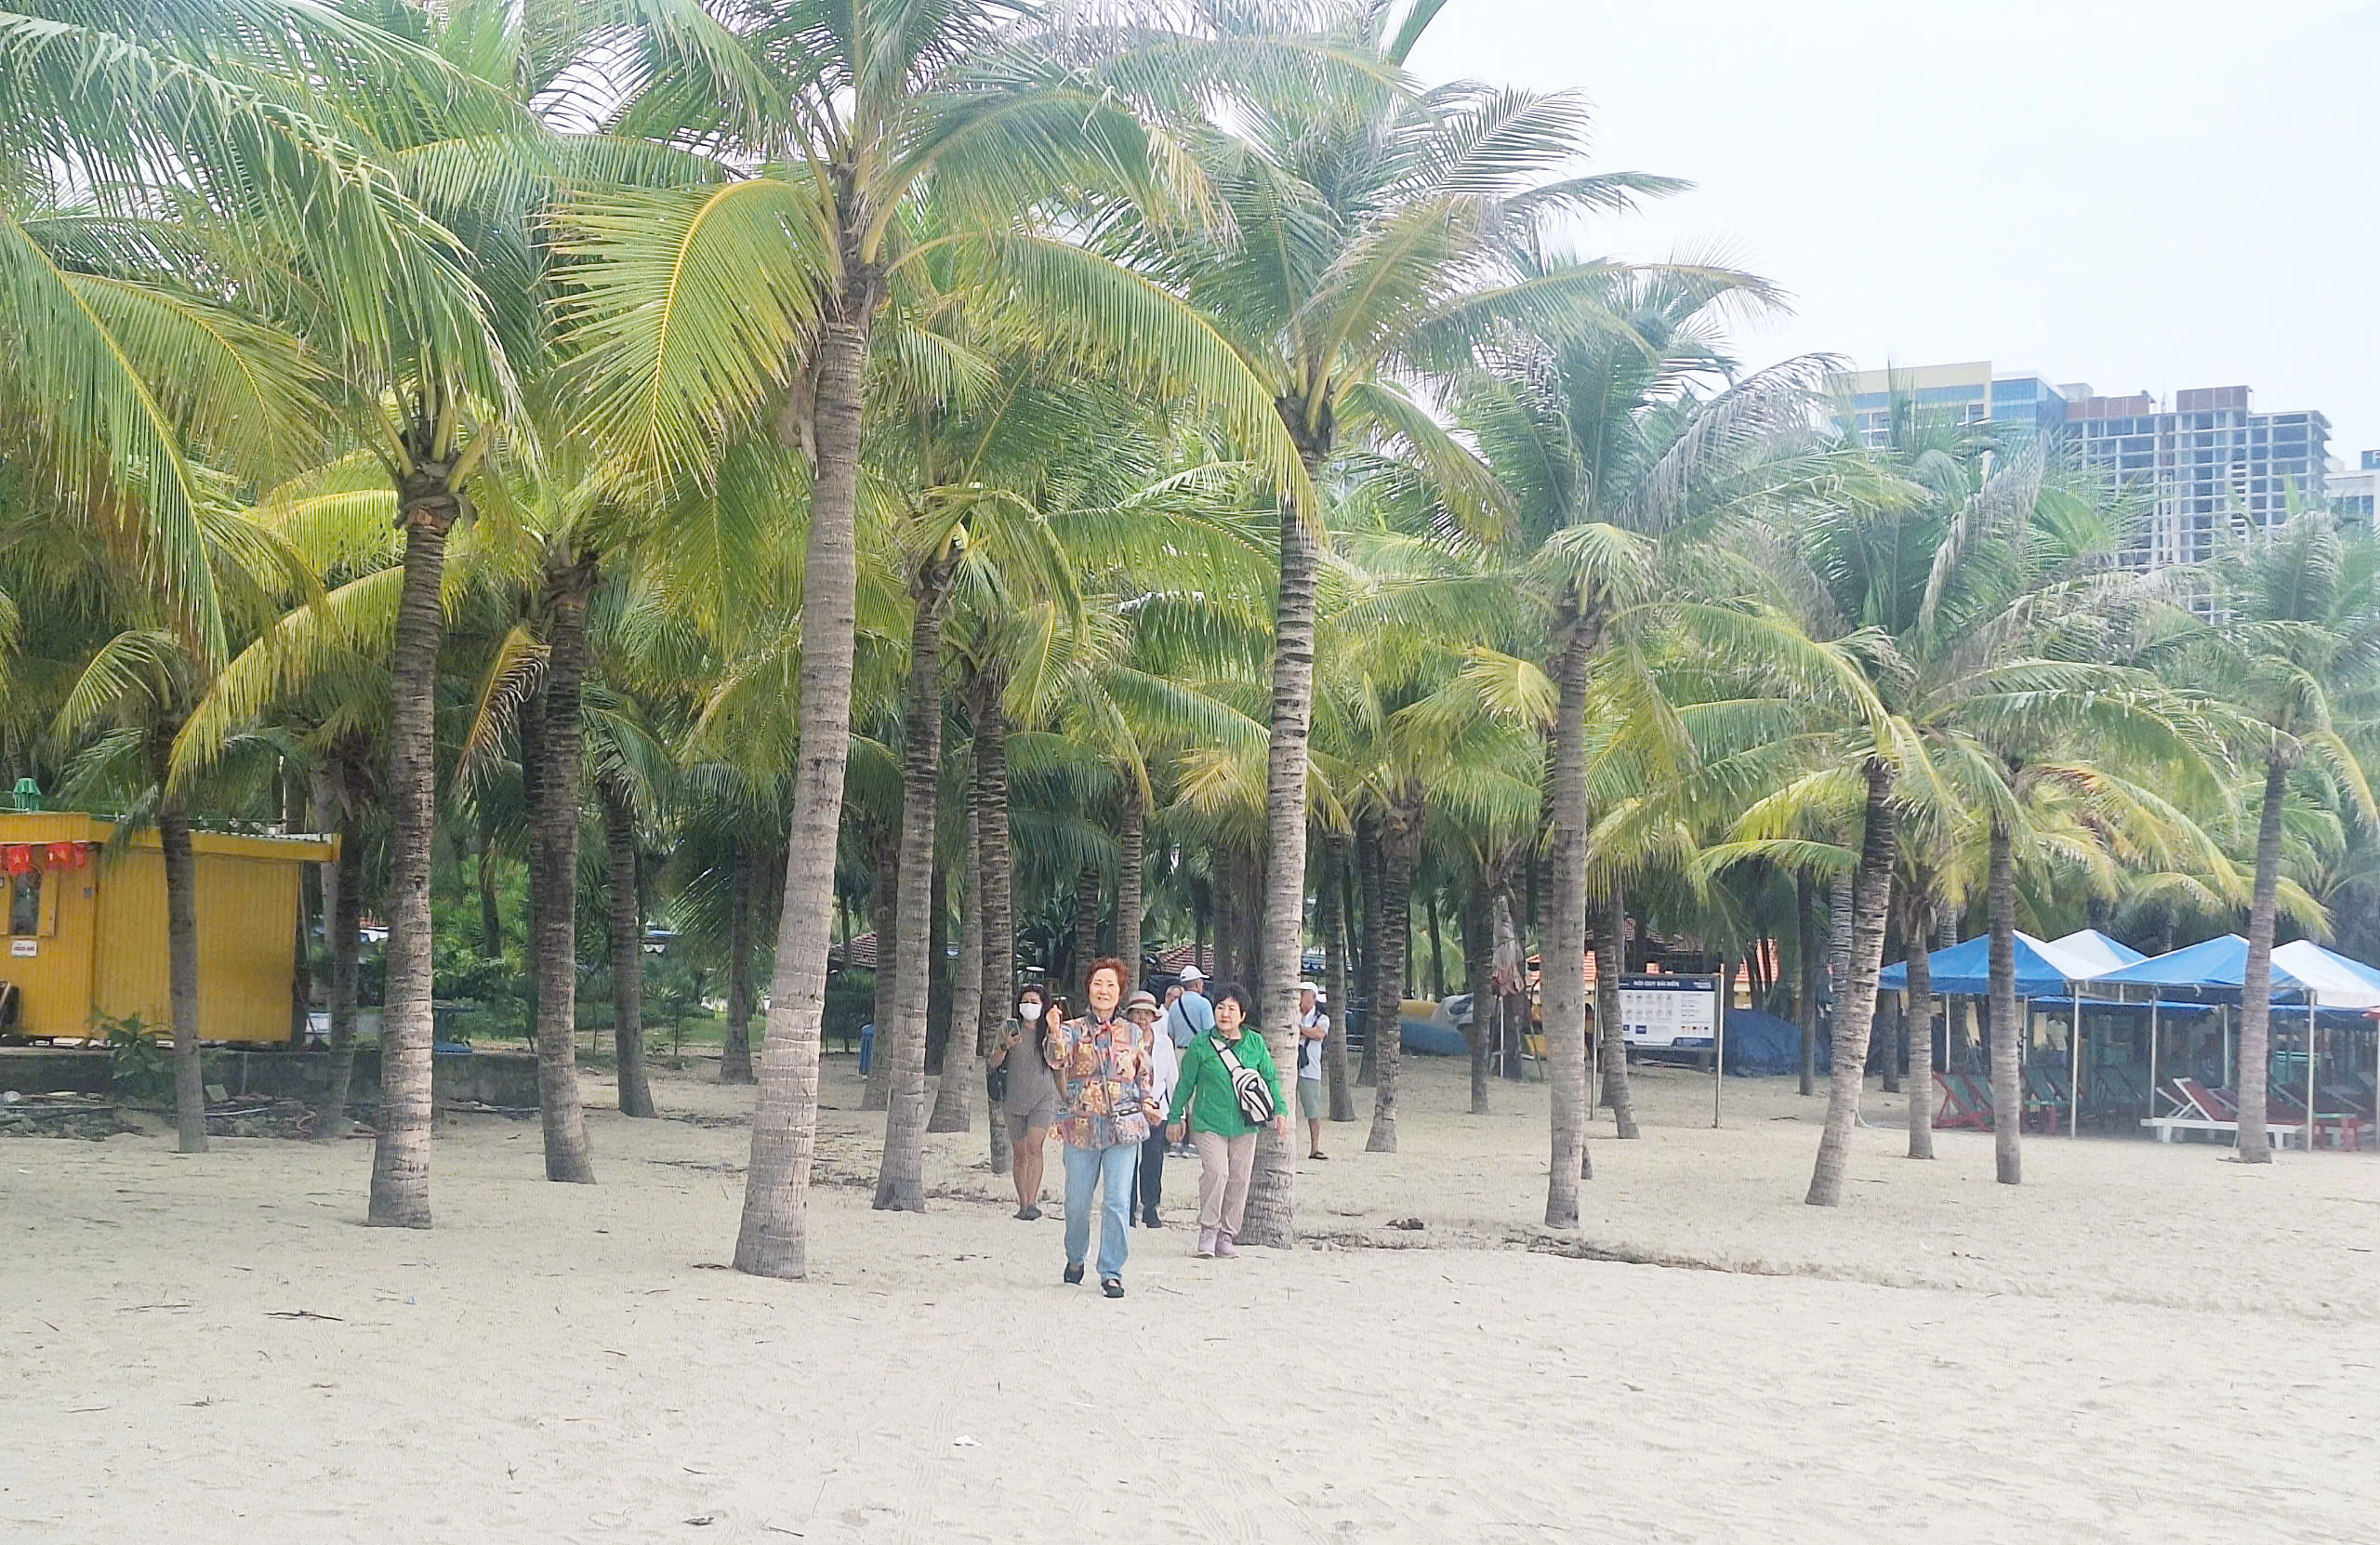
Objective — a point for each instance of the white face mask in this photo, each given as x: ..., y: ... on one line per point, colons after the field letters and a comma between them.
x: 1029, y: 1010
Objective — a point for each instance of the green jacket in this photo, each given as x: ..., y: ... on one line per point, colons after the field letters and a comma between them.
x: 1203, y: 1099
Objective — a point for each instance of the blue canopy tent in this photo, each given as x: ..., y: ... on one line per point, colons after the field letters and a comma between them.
x: 2305, y: 975
x: 1965, y: 970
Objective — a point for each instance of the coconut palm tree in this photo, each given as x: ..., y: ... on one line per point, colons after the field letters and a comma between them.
x: 1375, y: 228
x: 1599, y: 432
x: 703, y: 312
x: 2286, y: 645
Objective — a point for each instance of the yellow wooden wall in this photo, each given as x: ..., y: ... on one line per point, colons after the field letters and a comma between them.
x: 55, y: 981
x: 247, y: 929
x: 108, y: 954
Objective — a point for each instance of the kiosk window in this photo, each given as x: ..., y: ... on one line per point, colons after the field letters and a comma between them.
x: 24, y: 904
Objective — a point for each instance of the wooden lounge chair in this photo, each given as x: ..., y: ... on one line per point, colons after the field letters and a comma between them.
x: 2046, y: 1096
x: 1533, y: 1050
x: 2200, y: 1109
x: 1959, y: 1107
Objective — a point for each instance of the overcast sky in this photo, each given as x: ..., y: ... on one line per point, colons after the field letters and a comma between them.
x: 2146, y: 196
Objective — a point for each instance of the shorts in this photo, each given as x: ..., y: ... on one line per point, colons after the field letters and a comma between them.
x: 1041, y: 1113
x: 1310, y: 1099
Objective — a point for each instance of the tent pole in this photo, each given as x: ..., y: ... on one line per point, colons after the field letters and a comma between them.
x: 2074, y: 1069
x: 1722, y: 989
x: 2310, y: 1000
x: 2152, y: 1056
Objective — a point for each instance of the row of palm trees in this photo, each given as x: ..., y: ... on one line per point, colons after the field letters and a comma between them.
x: 979, y: 454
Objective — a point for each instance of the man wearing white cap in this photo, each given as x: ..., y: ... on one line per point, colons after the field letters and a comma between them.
x: 1313, y: 1029
x: 1189, y: 1015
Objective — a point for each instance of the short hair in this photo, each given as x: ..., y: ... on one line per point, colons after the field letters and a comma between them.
x: 1109, y: 963
x: 1240, y: 995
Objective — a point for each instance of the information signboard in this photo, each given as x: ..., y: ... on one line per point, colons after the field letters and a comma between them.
x: 1663, y: 1011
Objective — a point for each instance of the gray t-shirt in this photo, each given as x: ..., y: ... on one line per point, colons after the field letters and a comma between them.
x: 1030, y: 1082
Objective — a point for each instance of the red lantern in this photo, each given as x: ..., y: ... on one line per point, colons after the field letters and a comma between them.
x: 66, y: 856
x: 17, y: 858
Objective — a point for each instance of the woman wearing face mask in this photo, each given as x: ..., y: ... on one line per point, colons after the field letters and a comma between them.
x: 1105, y: 1103
x: 1228, y: 1089
x: 1030, y: 1103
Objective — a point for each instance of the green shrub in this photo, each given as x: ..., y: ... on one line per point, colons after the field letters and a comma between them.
x: 139, y: 1068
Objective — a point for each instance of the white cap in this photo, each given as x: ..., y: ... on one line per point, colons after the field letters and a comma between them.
x: 1191, y: 973
x: 1310, y: 987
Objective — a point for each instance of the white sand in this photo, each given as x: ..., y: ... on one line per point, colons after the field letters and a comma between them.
x: 2141, y: 1343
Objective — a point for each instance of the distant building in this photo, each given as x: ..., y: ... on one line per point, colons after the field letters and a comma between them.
x: 2207, y: 454
x: 1967, y: 393
x: 2353, y: 490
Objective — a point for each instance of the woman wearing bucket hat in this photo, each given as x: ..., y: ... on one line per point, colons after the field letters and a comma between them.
x: 1165, y: 1067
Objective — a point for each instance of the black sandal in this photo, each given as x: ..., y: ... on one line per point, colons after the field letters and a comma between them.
x: 1112, y: 1285
x: 1074, y: 1271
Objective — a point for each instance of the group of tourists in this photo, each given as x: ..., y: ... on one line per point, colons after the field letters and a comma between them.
x: 1128, y: 1084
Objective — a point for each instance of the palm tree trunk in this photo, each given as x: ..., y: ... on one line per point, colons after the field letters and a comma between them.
x: 627, y: 947
x: 401, y: 1154
x: 1897, y: 1028
x: 1131, y: 845
x: 343, y: 922
x: 1228, y: 873
x: 1564, y: 976
x: 1281, y: 928
x: 994, y: 885
x: 2255, y: 987
x: 2007, y: 1026
x: 1920, y: 1020
x: 1370, y: 865
x: 1810, y: 972
x: 181, y: 949
x: 1437, y: 946
x: 1336, y: 975
x: 963, y: 1056
x: 1400, y: 844
x: 773, y: 1238
x: 560, y: 1112
x: 1471, y: 919
x: 310, y: 912
x: 1086, y: 945
x: 900, y: 1176
x: 1512, y: 964
x: 1855, y: 1008
x: 884, y: 908
x: 491, y: 919
x: 1612, y: 946
x: 736, y: 1047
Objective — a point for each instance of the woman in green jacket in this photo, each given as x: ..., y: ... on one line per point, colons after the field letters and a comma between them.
x: 1224, y: 1073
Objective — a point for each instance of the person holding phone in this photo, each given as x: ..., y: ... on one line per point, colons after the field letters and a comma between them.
x: 1227, y: 1091
x: 1029, y: 1103
x: 1105, y: 1107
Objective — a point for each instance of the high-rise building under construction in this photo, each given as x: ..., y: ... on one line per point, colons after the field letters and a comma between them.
x: 2206, y: 456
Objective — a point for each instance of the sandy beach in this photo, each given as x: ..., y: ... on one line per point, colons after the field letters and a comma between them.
x: 2140, y: 1344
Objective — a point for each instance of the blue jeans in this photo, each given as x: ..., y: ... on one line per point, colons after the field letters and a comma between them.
x: 1110, y: 1170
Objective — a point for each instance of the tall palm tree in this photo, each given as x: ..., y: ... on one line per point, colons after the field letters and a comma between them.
x: 1596, y: 428
x: 705, y: 311
x: 2287, y: 646
x: 1374, y: 228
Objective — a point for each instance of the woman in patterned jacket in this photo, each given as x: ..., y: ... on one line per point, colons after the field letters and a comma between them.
x: 1104, y: 1108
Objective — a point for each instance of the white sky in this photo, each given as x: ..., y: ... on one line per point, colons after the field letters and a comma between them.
x: 2143, y: 196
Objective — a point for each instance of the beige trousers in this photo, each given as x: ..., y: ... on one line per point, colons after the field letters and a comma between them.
x: 1224, y: 1163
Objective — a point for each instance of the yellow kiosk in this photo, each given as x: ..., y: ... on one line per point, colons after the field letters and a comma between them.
x: 87, y: 930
